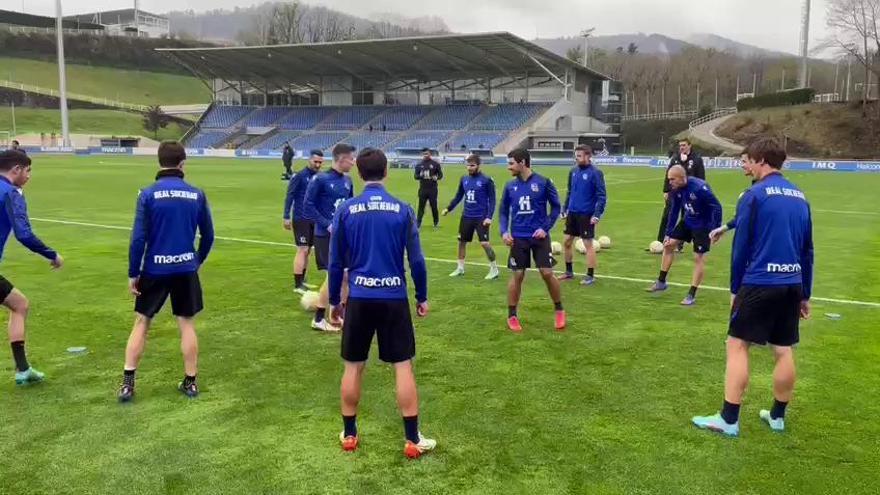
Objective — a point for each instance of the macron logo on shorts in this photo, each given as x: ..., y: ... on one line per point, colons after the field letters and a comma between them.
x: 378, y: 282
x: 783, y: 267
x: 173, y: 259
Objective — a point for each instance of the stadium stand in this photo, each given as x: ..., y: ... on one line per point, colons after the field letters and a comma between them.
x: 508, y: 117
x: 209, y: 138
x: 422, y: 139
x: 220, y: 116
x: 362, y: 140
x: 304, y: 118
x: 476, y: 140
x: 276, y: 141
x: 266, y: 116
x: 350, y: 118
x: 400, y: 118
x: 318, y: 140
x: 452, y: 117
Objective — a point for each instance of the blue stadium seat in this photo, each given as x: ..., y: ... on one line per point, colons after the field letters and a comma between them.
x: 276, y: 141
x: 265, y: 117
x: 379, y: 140
x: 221, y: 116
x: 318, y: 140
x: 508, y: 117
x: 450, y: 117
x: 350, y: 118
x: 476, y: 140
x: 208, y: 138
x: 422, y: 139
x: 400, y: 118
x: 304, y: 118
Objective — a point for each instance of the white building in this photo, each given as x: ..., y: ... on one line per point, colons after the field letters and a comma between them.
x: 122, y: 22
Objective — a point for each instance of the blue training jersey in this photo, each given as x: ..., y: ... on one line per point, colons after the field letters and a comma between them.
x: 14, y: 219
x: 478, y: 192
x: 773, y: 244
x: 370, y: 234
x: 166, y: 219
x: 586, y: 191
x: 296, y: 193
x: 526, y: 202
x: 325, y: 192
x: 702, y: 210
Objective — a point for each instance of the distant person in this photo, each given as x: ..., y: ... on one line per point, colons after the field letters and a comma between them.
x: 15, y: 172
x: 287, y: 160
x: 16, y: 146
x: 702, y: 214
x: 370, y: 235
x: 692, y: 163
x: 303, y: 229
x: 771, y: 278
x: 325, y: 192
x: 525, y: 228
x: 428, y: 172
x: 583, y: 209
x: 163, y: 263
x: 478, y: 192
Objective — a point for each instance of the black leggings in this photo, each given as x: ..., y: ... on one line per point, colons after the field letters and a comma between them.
x: 428, y: 196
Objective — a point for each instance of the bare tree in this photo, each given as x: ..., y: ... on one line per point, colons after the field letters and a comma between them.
x: 855, y: 28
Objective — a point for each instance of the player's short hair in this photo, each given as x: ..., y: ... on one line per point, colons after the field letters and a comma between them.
x: 767, y: 150
x: 15, y: 142
x: 9, y: 159
x: 316, y: 153
x: 372, y: 164
x: 475, y: 159
x: 426, y: 150
x: 685, y: 140
x: 521, y: 155
x: 171, y: 154
x: 342, y: 149
x: 586, y: 148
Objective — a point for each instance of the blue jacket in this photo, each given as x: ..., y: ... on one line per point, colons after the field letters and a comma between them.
x: 325, y: 192
x: 773, y: 244
x: 586, y: 191
x: 296, y: 193
x: 15, y: 219
x: 478, y: 192
x: 732, y: 223
x: 702, y: 210
x: 370, y: 234
x: 168, y: 213
x: 527, y: 201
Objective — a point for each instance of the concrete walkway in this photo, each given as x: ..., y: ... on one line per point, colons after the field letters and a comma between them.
x: 706, y: 132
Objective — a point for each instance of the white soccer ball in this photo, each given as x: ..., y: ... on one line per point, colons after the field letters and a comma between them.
x: 309, y: 300
x: 605, y: 242
x: 656, y: 247
x: 597, y: 246
x: 556, y: 247
x: 579, y: 246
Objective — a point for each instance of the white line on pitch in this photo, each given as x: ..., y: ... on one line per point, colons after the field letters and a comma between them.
x: 442, y: 260
x: 660, y: 203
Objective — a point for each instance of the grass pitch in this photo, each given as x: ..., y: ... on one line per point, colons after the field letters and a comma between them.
x: 601, y: 408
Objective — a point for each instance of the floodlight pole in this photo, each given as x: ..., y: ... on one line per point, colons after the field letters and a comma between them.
x: 62, y: 76
x: 586, y: 33
x: 137, y: 31
x: 805, y: 43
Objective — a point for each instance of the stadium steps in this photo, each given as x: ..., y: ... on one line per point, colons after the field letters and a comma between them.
x: 252, y: 142
x: 233, y: 141
x: 517, y: 136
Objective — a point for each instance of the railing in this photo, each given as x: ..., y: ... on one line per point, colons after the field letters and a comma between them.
x: 73, y: 96
x: 682, y: 114
x: 712, y: 116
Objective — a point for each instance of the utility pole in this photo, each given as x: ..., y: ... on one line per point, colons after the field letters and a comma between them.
x: 62, y: 75
x: 805, y: 43
x: 586, y: 33
x: 137, y: 30
x: 848, y: 75
x: 782, y: 84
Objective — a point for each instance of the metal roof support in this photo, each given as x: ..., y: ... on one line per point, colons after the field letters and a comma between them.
x: 548, y: 71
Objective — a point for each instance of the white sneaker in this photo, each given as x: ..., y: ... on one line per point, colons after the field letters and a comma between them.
x: 457, y: 273
x: 415, y: 450
x: 493, y: 274
x: 324, y: 326
x: 777, y: 425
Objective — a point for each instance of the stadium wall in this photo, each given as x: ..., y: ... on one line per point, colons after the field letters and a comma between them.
x: 614, y: 161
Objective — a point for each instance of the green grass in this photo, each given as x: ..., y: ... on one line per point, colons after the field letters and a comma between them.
x: 99, y: 122
x: 602, y: 408
x: 129, y: 86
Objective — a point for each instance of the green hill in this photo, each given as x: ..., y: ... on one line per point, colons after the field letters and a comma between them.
x: 129, y: 86
x: 818, y: 130
x: 101, y: 122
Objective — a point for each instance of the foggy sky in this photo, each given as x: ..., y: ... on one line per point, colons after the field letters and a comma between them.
x: 772, y: 24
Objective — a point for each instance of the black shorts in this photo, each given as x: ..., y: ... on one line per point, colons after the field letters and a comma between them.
x: 580, y: 225
x: 523, y: 250
x: 467, y: 227
x: 767, y: 314
x: 304, y: 233
x: 390, y: 320
x: 5, y: 288
x: 184, y: 288
x: 322, y: 252
x: 700, y: 237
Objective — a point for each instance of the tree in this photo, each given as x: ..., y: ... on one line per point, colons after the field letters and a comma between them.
x: 155, y: 119
x: 575, y: 54
x: 632, y: 48
x: 855, y: 28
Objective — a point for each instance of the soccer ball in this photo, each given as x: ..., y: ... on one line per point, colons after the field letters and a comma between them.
x: 579, y: 246
x: 309, y: 300
x: 605, y: 241
x: 556, y: 247
x: 597, y: 246
x: 656, y: 247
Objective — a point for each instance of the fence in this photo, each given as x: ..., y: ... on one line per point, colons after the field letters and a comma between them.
x: 73, y: 96
x: 712, y: 116
x: 683, y: 114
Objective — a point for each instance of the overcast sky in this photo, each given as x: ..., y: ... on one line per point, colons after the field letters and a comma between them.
x: 772, y: 24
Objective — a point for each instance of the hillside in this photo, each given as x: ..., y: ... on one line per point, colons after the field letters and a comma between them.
x: 99, y: 122
x: 658, y: 44
x: 815, y: 130
x: 129, y: 86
